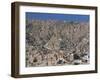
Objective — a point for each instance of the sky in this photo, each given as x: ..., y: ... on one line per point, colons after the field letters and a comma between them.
x: 67, y: 17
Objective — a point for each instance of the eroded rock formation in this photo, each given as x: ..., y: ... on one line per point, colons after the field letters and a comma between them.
x: 53, y: 43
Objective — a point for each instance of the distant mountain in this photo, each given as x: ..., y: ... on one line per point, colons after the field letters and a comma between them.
x: 56, y: 37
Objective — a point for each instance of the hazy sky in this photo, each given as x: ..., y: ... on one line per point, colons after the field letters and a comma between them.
x: 67, y: 17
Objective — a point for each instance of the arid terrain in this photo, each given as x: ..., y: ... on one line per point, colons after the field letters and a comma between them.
x: 56, y: 42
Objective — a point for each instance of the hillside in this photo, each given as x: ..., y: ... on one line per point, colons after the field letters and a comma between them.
x: 55, y: 42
